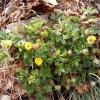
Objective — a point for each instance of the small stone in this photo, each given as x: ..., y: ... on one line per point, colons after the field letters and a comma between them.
x: 5, y: 97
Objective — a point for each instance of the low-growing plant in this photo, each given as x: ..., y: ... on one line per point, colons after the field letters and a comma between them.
x: 54, y: 55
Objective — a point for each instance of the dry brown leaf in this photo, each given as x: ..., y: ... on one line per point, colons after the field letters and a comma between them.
x: 62, y: 98
x: 43, y: 8
x: 79, y: 90
x: 85, y: 87
x: 20, y: 63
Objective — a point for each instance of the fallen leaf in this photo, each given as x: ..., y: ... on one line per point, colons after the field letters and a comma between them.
x: 85, y: 87
x: 62, y: 98
x: 43, y: 8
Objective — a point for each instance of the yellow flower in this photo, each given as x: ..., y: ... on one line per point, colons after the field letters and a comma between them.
x: 91, y: 39
x: 6, y: 43
x: 28, y: 45
x: 38, y: 61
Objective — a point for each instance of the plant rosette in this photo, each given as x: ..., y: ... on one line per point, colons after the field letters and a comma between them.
x: 53, y: 54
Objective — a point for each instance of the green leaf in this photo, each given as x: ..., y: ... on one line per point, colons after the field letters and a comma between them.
x: 45, y: 72
x: 59, y: 68
x: 27, y: 58
x: 34, y: 25
x: 3, y: 35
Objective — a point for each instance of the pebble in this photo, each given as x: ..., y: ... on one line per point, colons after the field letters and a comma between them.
x: 5, y: 97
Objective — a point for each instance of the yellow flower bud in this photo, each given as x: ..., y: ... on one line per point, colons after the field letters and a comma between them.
x: 85, y: 51
x: 87, y: 32
x: 70, y: 52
